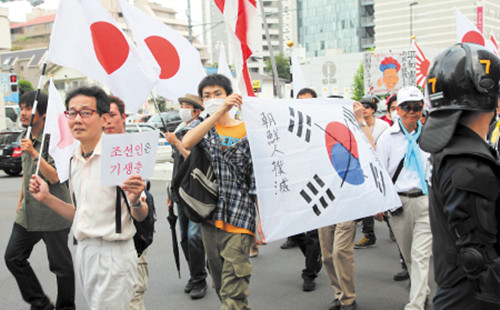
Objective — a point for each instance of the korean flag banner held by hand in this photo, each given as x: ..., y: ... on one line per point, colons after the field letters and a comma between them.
x: 313, y: 165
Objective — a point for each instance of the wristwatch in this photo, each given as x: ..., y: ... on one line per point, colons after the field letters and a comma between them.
x: 363, y: 124
x: 138, y: 205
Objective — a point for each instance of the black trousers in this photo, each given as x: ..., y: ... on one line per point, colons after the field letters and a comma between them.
x: 368, y: 227
x: 18, y: 251
x: 460, y: 296
x: 192, y: 246
x: 309, y: 245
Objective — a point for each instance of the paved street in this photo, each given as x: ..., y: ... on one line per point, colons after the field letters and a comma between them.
x: 275, y: 284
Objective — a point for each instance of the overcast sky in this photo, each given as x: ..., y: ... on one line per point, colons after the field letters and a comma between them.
x: 18, y: 9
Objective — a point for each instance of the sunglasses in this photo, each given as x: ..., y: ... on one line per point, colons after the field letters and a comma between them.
x: 414, y: 108
x: 366, y: 105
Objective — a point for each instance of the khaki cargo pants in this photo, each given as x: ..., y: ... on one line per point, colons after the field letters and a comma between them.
x: 229, y: 265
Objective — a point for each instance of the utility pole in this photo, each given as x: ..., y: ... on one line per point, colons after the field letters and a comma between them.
x: 276, y: 79
x: 190, y: 25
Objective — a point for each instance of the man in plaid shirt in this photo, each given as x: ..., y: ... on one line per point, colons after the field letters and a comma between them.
x: 228, y: 234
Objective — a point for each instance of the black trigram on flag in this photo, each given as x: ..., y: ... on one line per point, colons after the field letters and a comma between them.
x: 302, y: 126
x: 313, y: 189
x: 349, y: 116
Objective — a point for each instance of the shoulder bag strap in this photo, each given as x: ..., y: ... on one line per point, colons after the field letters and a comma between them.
x: 398, y: 170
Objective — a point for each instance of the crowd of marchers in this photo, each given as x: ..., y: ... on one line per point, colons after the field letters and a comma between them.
x: 443, y: 161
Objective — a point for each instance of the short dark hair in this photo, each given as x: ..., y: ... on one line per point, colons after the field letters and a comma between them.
x: 215, y: 80
x: 306, y: 90
x: 101, y: 98
x: 390, y: 100
x: 29, y: 98
x: 119, y: 103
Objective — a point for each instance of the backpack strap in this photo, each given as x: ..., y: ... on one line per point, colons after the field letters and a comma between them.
x: 118, y: 212
x: 118, y: 209
x: 398, y: 170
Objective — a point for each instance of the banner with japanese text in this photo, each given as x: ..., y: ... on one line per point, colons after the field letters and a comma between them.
x: 387, y: 72
x: 313, y: 165
x: 127, y: 154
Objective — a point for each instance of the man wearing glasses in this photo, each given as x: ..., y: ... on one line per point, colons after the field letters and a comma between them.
x: 106, y: 261
x: 406, y: 163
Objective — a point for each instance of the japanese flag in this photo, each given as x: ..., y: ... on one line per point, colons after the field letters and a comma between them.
x: 85, y: 37
x: 62, y: 144
x: 467, y: 32
x: 181, y: 68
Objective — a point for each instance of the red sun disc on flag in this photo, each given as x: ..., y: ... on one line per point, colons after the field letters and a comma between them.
x: 66, y: 138
x: 165, y: 54
x: 473, y: 37
x: 110, y: 46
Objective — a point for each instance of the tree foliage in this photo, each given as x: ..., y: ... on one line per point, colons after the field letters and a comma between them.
x: 358, y: 86
x: 282, y: 65
x: 24, y: 87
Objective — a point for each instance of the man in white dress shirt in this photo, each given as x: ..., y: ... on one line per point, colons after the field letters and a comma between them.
x: 105, y: 260
x: 399, y: 152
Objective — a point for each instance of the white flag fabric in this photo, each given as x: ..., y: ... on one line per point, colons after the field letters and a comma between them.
x: 313, y: 165
x: 467, y: 32
x: 180, y: 63
x: 62, y: 144
x: 225, y: 70
x: 493, y: 45
x: 298, y: 79
x: 85, y: 37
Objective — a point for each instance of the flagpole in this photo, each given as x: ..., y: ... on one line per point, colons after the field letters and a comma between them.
x: 35, y: 103
x: 41, y: 152
x: 39, y: 160
x: 158, y: 109
x: 277, y: 89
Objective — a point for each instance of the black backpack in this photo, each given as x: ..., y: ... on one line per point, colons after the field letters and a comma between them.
x: 195, y: 185
x: 145, y: 229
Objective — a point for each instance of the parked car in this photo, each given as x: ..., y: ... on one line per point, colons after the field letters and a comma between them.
x: 171, y: 119
x: 10, y: 151
x: 138, y: 118
x: 164, y: 150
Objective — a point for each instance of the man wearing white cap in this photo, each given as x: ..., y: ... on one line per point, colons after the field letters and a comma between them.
x: 406, y: 163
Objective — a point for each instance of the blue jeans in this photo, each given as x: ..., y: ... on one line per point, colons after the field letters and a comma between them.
x: 192, y: 246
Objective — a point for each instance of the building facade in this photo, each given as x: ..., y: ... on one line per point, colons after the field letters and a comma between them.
x: 432, y: 22
x: 5, y: 42
x: 329, y: 27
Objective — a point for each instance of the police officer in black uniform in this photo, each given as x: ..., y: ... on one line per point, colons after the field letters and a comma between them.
x: 463, y: 86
